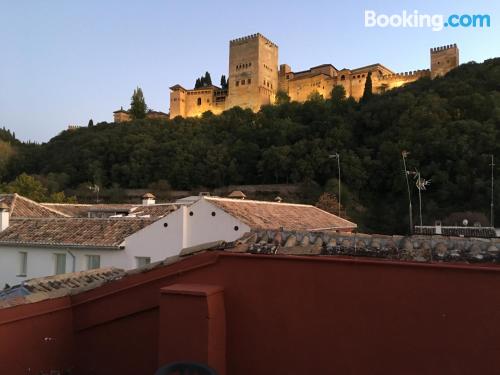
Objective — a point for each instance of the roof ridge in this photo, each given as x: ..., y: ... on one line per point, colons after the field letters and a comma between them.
x: 258, y: 202
x: 38, y: 204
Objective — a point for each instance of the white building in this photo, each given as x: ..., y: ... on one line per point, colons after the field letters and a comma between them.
x: 36, y: 247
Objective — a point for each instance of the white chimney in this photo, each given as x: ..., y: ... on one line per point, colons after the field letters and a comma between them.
x: 4, y: 216
x: 148, y: 199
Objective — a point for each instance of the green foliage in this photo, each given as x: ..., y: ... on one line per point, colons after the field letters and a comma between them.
x: 368, y: 91
x: 204, y: 81
x: 315, y: 96
x: 223, y: 82
x: 338, y: 94
x: 27, y: 186
x: 282, y: 97
x: 450, y: 126
x: 138, y: 107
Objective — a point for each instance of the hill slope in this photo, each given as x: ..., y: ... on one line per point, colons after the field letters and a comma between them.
x: 450, y: 126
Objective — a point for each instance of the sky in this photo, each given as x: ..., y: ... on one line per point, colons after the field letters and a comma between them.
x: 64, y: 62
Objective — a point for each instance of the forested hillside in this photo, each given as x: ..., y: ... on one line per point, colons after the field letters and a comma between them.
x: 450, y: 126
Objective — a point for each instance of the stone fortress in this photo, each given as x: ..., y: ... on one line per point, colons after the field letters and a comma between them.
x: 254, y: 79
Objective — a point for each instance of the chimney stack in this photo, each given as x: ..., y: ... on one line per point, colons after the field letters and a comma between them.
x: 4, y: 216
x: 148, y: 199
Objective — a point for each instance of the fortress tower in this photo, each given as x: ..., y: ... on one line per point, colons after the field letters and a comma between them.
x: 443, y: 59
x: 253, y: 72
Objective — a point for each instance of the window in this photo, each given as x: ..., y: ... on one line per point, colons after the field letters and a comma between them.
x: 142, y: 261
x: 23, y: 263
x: 60, y: 263
x: 249, y: 81
x: 237, y: 83
x: 342, y: 77
x: 242, y: 81
x: 93, y: 262
x: 199, y: 101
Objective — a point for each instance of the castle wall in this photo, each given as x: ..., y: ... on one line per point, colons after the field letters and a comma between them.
x: 200, y: 101
x: 178, y: 103
x: 300, y: 89
x: 121, y: 117
x: 391, y: 81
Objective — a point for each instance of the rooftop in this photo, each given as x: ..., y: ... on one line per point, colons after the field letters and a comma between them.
x: 71, y: 232
x: 399, y: 250
x: 82, y: 210
x: 273, y: 215
x: 20, y: 206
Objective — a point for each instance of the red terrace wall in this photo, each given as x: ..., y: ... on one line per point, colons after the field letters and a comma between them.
x: 284, y: 315
x: 23, y: 332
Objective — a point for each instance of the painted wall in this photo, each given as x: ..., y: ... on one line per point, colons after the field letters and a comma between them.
x: 42, y: 262
x: 164, y: 238
x: 285, y: 314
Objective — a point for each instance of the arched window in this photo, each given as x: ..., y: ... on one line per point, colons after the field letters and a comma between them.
x: 199, y: 101
x: 342, y: 77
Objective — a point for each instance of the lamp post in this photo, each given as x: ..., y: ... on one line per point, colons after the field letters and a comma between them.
x: 492, y: 206
x: 337, y: 156
x: 405, y: 154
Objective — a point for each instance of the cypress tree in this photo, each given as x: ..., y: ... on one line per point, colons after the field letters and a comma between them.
x: 367, y: 93
x: 138, y: 105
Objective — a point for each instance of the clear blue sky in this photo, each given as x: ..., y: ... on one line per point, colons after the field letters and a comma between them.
x: 64, y: 62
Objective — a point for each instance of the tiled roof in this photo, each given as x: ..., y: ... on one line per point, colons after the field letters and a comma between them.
x: 427, y: 249
x: 272, y: 215
x: 82, y: 210
x: 42, y: 288
x: 71, y: 232
x: 20, y: 206
x: 70, y: 209
x: 153, y: 210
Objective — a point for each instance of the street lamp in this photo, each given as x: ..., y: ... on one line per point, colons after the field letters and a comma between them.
x: 410, y: 210
x: 337, y: 156
x: 492, y: 207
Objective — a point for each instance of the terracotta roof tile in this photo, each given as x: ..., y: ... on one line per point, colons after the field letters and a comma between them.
x: 23, y: 207
x: 73, y: 232
x: 82, y: 210
x: 272, y: 215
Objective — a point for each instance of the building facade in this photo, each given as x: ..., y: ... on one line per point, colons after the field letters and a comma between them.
x: 255, y: 78
x: 44, y: 246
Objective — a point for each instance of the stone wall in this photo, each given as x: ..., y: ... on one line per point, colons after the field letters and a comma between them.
x: 412, y: 248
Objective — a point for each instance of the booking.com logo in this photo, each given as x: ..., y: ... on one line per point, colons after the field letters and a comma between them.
x: 436, y: 22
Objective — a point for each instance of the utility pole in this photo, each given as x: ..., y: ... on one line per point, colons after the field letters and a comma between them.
x: 410, y: 210
x: 492, y: 205
x: 337, y: 156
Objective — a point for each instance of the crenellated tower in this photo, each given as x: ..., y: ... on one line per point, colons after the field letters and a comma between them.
x: 444, y: 59
x: 253, y: 72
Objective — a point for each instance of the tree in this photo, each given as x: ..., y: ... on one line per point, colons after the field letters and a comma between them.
x: 27, y: 186
x: 91, y: 123
x: 315, y: 96
x: 223, y: 82
x: 328, y: 202
x: 207, y: 80
x: 138, y: 107
x: 282, y: 97
x: 368, y: 92
x: 338, y: 94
